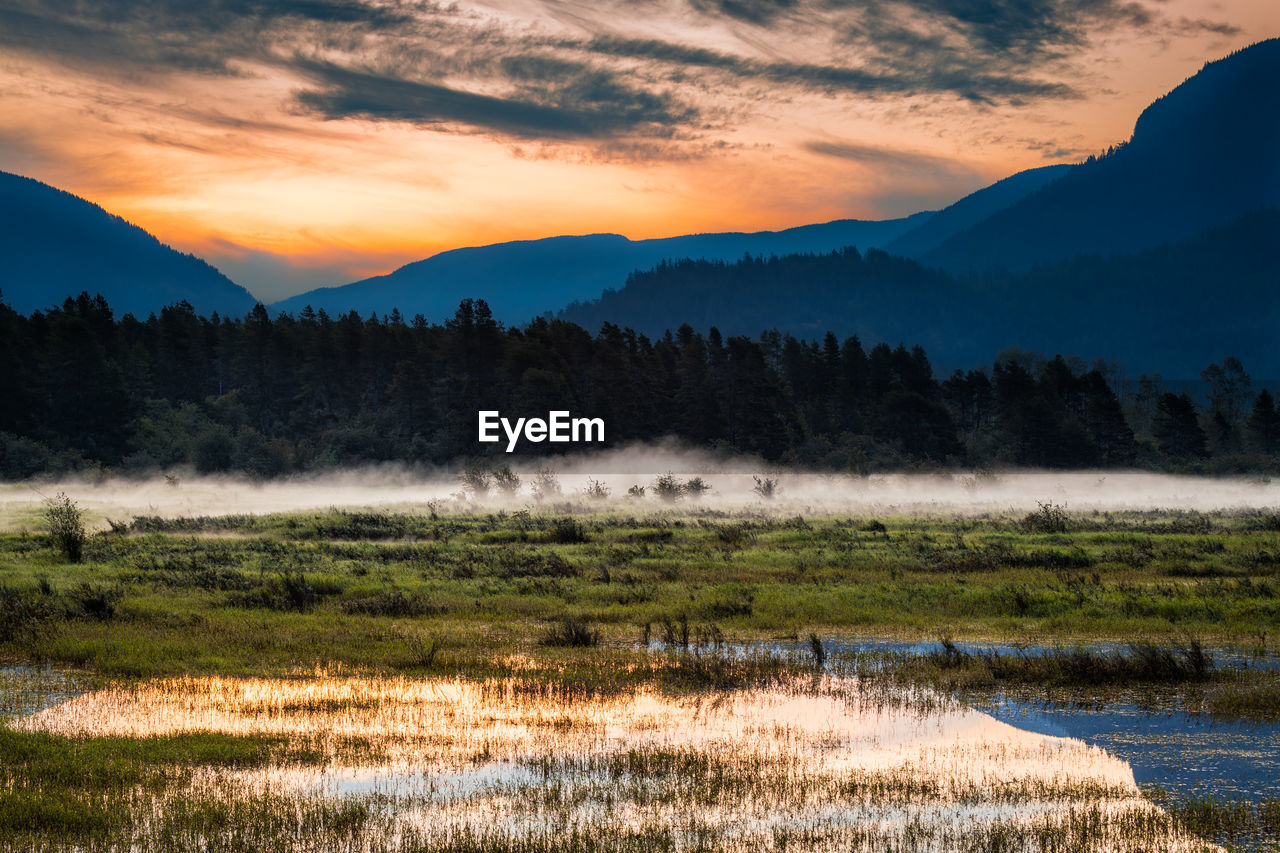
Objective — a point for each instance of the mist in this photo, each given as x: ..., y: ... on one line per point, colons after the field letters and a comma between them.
x: 732, y: 482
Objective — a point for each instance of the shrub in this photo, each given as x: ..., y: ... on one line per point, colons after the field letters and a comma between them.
x: 391, y: 603
x: 506, y: 481
x: 571, y: 631
x: 1049, y: 518
x: 567, y: 531
x: 596, y: 490
x: 288, y: 591
x: 766, y: 488
x: 95, y: 602
x: 66, y: 526
x: 675, y: 634
x: 696, y: 487
x: 422, y: 652
x: 545, y: 484
x: 734, y: 535
x: 476, y: 481
x: 668, y: 488
x: 23, y: 614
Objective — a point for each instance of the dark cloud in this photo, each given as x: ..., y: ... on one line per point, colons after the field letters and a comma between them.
x: 965, y: 79
x: 1023, y: 30
x: 753, y: 11
x: 441, y: 67
x: 124, y: 37
x: 575, y: 103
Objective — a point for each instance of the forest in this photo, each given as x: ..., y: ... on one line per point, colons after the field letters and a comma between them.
x: 1171, y: 308
x: 266, y: 395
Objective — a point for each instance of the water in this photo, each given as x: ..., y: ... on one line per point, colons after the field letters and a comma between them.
x: 1188, y: 754
x: 811, y: 763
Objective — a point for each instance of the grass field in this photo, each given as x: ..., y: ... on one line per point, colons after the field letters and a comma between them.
x: 383, y: 592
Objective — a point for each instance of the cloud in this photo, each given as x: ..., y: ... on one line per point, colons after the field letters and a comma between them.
x: 592, y: 74
x: 553, y: 99
x: 914, y: 77
x: 887, y: 158
x: 754, y: 11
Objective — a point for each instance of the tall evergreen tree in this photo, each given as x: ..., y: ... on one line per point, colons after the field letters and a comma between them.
x: 1177, y: 427
x: 1264, y: 424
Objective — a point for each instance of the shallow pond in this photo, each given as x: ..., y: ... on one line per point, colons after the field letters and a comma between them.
x: 819, y: 763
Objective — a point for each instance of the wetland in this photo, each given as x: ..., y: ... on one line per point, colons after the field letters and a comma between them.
x: 605, y: 673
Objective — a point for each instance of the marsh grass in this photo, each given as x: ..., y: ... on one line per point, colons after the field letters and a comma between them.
x: 573, y: 632
x: 1236, y: 823
x: 1249, y: 696
x: 255, y: 593
x: 804, y: 763
x: 1140, y: 662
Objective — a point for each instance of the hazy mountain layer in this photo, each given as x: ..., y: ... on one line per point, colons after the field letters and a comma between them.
x: 56, y: 245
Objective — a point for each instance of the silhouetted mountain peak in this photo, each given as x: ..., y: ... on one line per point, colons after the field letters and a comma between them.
x: 1200, y: 156
x: 56, y: 244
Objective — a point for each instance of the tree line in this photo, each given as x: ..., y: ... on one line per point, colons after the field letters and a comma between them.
x: 269, y: 395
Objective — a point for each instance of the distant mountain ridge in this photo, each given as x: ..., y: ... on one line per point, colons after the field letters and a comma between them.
x: 56, y: 244
x: 525, y: 278
x: 1171, y: 309
x: 974, y: 208
x: 1199, y: 157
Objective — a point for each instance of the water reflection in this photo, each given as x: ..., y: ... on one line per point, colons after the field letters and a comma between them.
x: 1190, y: 754
x: 815, y: 764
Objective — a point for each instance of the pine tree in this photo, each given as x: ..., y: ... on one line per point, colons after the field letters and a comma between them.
x: 1263, y: 425
x: 1177, y: 427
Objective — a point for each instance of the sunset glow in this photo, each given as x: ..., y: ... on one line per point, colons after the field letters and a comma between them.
x: 303, y: 144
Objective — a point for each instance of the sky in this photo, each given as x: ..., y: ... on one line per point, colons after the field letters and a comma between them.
x: 308, y: 143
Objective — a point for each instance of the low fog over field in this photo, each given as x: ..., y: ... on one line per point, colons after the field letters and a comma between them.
x: 734, y: 485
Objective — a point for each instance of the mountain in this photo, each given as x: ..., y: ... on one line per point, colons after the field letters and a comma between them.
x: 523, y: 279
x: 1200, y: 156
x: 972, y: 209
x: 1171, y: 309
x: 55, y: 245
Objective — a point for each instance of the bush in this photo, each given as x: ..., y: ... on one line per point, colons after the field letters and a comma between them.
x: 696, y: 487
x: 506, y: 481
x: 66, y: 526
x: 545, y: 484
x: 567, y: 531
x: 391, y: 603
x: 23, y: 614
x: 1049, y: 518
x: 95, y: 602
x: 766, y: 488
x: 476, y: 481
x: 668, y: 488
x: 290, y: 591
x: 572, y: 631
x: 818, y: 651
x: 596, y: 490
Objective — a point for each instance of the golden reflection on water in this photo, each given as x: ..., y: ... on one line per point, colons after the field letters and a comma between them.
x: 810, y: 764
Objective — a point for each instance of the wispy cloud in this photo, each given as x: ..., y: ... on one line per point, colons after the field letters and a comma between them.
x: 463, y: 69
x: 553, y: 99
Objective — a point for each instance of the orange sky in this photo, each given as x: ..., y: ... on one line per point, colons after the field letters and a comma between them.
x: 299, y: 144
